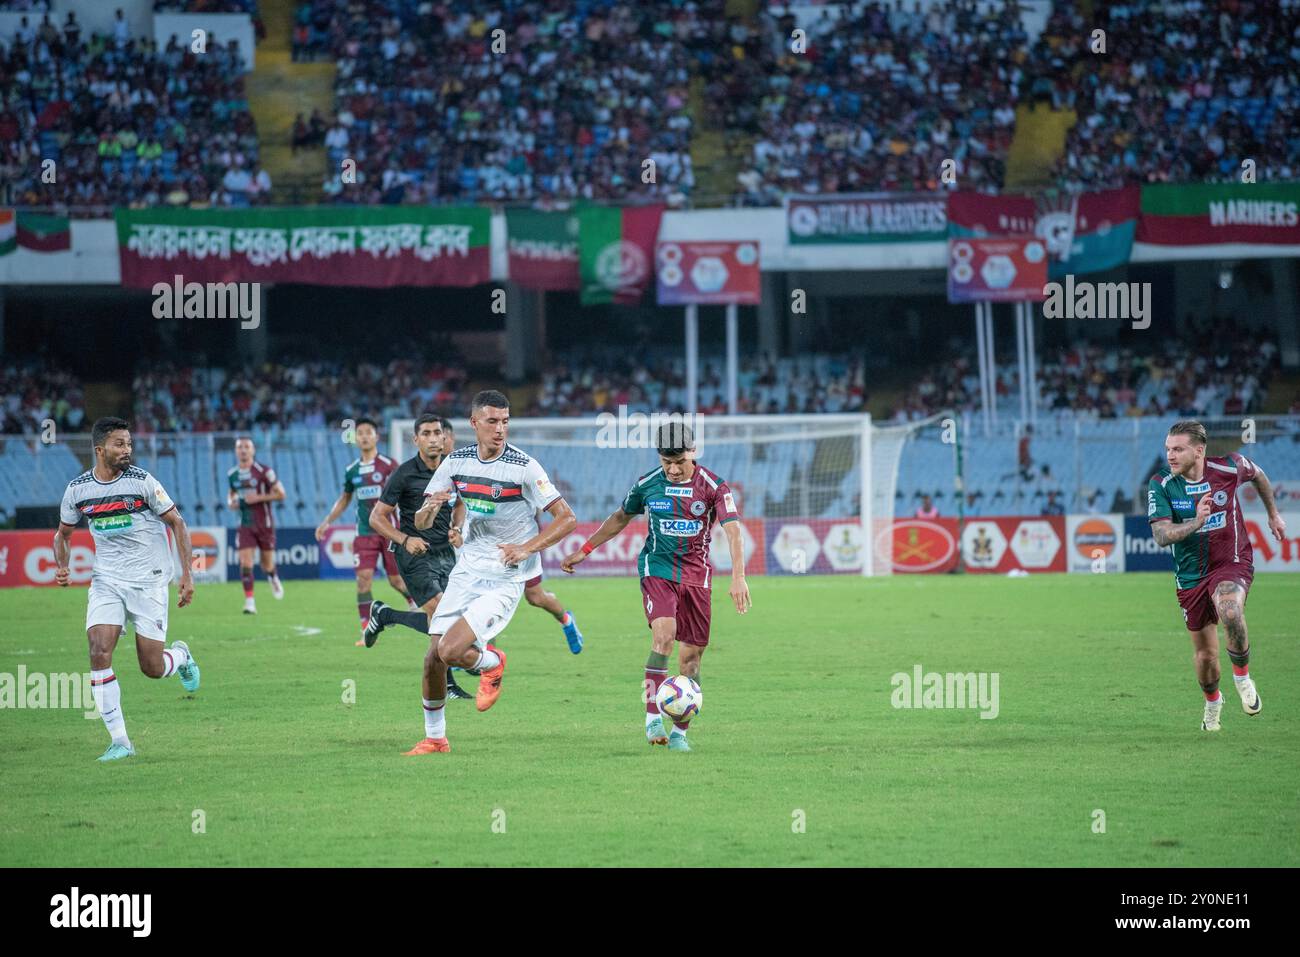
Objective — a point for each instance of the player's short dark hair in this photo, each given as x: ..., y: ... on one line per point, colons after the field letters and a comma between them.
x: 366, y: 421
x: 447, y: 426
x: 675, y: 438
x: 1192, y: 429
x: 425, y: 419
x: 490, y: 397
x: 105, y: 427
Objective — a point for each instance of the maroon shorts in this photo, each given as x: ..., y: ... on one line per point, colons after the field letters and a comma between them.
x: 369, y: 550
x: 249, y: 537
x: 535, y: 580
x: 689, y: 605
x: 1198, y: 601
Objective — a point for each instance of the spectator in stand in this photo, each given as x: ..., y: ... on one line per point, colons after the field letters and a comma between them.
x: 927, y: 508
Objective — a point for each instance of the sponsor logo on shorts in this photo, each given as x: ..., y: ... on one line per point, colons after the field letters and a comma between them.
x: 681, y: 527
x: 679, y: 492
x: 659, y: 505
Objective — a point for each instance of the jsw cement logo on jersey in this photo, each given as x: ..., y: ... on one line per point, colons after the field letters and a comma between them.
x: 680, y: 527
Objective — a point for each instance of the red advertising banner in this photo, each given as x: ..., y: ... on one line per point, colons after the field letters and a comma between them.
x: 922, y: 545
x: 27, y: 558
x: 708, y: 273
x: 1014, y: 544
x: 996, y: 270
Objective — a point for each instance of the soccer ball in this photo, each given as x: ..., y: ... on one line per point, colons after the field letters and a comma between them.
x: 680, y: 698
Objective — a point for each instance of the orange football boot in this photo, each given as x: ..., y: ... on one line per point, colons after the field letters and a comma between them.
x: 489, y: 683
x: 429, y: 746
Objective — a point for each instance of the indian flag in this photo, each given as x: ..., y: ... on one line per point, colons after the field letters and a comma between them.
x: 8, y: 232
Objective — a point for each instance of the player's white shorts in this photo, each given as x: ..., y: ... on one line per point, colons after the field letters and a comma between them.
x: 486, y: 604
x: 116, y: 603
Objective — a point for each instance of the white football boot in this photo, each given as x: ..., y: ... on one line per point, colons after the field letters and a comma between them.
x: 277, y: 590
x: 1211, y: 720
x: 250, y: 606
x: 1250, y: 702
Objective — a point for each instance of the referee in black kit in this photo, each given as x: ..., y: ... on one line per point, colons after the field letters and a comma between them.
x: 425, y: 558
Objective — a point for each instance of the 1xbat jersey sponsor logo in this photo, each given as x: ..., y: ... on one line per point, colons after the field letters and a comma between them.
x: 681, y: 527
x: 103, y: 910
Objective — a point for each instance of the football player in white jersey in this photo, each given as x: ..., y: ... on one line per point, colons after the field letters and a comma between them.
x: 128, y: 513
x: 502, y: 487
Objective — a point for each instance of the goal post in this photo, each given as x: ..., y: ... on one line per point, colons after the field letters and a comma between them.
x: 823, y: 485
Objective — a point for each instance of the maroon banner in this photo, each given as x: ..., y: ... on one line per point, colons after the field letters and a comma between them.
x: 1014, y: 544
x: 371, y: 246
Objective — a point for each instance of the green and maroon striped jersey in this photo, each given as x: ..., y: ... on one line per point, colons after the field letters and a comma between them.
x: 680, y: 518
x: 1223, y: 540
x: 257, y: 478
x: 365, y: 482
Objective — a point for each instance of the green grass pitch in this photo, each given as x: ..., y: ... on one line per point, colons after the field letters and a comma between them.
x: 800, y: 757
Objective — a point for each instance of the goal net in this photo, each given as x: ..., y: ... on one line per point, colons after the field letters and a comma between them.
x: 799, y: 480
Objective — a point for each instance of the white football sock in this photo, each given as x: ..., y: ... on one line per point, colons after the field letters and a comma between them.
x: 108, y: 699
x: 1241, y: 679
x: 488, y: 660
x: 435, y: 718
x: 174, y: 658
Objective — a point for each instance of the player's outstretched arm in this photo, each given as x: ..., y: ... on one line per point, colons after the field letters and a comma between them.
x: 1276, y: 523
x: 63, y: 552
x: 339, y: 505
x: 739, y: 588
x: 608, y: 529
x: 181, y: 532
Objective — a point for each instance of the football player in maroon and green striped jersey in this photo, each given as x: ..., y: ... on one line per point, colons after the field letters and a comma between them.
x: 1192, y: 506
x: 681, y: 500
x: 364, y: 479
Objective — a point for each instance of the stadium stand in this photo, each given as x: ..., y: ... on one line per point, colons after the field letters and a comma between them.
x: 125, y: 122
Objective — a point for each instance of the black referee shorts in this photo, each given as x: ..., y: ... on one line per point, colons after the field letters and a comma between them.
x: 426, y: 575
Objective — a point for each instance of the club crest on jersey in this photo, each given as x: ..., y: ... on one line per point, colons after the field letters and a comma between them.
x: 1215, y: 521
x: 681, y: 527
x: 1199, y: 488
x: 679, y: 492
x: 659, y: 505
x: 698, y: 507
x: 1220, y: 497
x: 496, y: 490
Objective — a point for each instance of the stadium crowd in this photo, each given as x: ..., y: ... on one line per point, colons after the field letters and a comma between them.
x: 124, y: 122
x: 1186, y: 92
x: 580, y: 97
x: 1212, y: 378
x: 35, y: 393
x: 880, y: 100
x: 289, y: 394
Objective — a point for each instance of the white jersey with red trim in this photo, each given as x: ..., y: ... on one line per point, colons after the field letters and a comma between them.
x: 130, y: 539
x: 502, y: 497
